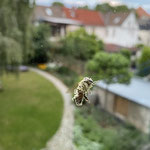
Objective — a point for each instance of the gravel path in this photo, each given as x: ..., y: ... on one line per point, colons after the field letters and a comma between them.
x: 62, y: 140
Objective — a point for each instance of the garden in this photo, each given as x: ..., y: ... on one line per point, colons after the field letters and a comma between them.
x: 28, y: 106
x: 31, y: 108
x: 95, y: 129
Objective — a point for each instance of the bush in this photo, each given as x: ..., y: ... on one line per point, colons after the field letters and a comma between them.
x: 119, y: 137
x: 83, y: 143
x: 104, y: 66
x: 69, y: 77
x: 144, y: 62
x: 126, y: 53
x: 145, y: 57
x: 64, y: 70
x: 41, y: 44
x: 80, y: 45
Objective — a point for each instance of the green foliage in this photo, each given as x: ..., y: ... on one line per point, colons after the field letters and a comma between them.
x: 57, y: 4
x: 30, y: 106
x: 145, y: 57
x: 111, y: 68
x: 83, y: 143
x: 109, y: 137
x: 121, y: 8
x: 14, y: 32
x: 84, y: 7
x: 23, y: 16
x: 10, y: 53
x: 80, y: 45
x: 126, y: 53
x: 140, y: 46
x: 144, y: 62
x: 41, y: 44
x: 17, y: 26
x: 68, y: 76
x: 105, y: 7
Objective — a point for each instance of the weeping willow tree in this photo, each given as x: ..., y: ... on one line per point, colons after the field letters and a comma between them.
x: 14, y: 32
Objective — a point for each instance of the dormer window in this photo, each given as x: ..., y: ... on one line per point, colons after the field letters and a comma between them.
x: 117, y: 20
x: 48, y: 11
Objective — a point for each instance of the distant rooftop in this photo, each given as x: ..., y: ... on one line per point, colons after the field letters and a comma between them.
x: 137, y: 91
x: 111, y: 18
x: 142, y: 13
x: 87, y: 17
x: 60, y: 20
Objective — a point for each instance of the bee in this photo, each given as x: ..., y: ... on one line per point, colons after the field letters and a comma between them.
x: 82, y: 90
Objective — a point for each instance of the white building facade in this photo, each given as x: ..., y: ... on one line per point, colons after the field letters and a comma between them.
x: 122, y: 31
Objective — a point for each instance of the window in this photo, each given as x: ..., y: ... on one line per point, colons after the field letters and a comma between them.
x: 121, y: 106
x: 48, y: 11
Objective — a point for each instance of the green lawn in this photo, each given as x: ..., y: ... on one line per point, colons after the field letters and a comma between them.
x: 30, y: 112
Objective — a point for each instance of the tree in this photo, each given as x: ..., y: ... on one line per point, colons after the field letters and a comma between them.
x: 144, y: 62
x: 105, y: 7
x: 23, y: 15
x: 57, y: 4
x: 120, y: 8
x: 14, y: 32
x: 111, y: 68
x: 126, y: 53
x: 18, y: 25
x: 84, y: 7
x: 81, y: 45
x: 41, y: 44
x: 10, y: 53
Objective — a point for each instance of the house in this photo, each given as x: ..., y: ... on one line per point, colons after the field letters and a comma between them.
x: 63, y: 20
x: 142, y: 14
x: 130, y: 103
x: 91, y: 20
x: 113, y: 28
x: 56, y: 18
x: 144, y: 25
x: 121, y: 29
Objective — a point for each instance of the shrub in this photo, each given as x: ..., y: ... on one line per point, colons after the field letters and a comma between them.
x: 111, y: 68
x: 144, y: 62
x: 69, y: 77
x: 81, y: 45
x: 83, y: 143
x: 126, y: 53
x: 41, y: 45
x: 119, y: 137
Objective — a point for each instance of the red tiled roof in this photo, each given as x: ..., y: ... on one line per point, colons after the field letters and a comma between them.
x: 142, y: 13
x: 87, y: 17
x: 109, y: 47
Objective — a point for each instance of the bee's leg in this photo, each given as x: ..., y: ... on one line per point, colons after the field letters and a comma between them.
x: 86, y: 98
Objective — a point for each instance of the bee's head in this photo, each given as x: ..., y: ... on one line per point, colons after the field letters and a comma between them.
x: 88, y: 80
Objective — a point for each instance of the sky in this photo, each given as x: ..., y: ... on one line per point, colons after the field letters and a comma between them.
x: 69, y: 3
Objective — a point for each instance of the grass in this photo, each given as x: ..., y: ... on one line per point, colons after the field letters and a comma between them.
x: 30, y: 112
